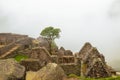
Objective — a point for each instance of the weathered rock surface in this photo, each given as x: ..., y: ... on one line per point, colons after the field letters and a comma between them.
x: 30, y: 75
x: 71, y: 69
x: 42, y: 54
x: 31, y: 64
x: 63, y: 52
x: 3, y: 77
x: 93, y: 63
x: 10, y: 68
x: 51, y: 71
x: 43, y: 43
x: 68, y: 53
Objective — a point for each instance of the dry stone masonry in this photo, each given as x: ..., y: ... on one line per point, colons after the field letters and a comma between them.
x: 88, y: 62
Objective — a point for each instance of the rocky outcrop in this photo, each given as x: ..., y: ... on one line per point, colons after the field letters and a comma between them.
x: 10, y: 68
x: 51, y: 71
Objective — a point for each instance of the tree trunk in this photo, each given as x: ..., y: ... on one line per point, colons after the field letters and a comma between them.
x: 50, y: 46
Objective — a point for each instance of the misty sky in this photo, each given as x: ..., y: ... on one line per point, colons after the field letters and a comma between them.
x: 94, y: 21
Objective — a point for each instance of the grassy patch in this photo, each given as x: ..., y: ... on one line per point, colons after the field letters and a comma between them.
x: 20, y: 57
x: 83, y: 78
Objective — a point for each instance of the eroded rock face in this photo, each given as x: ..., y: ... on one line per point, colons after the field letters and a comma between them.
x: 51, y: 71
x: 10, y: 68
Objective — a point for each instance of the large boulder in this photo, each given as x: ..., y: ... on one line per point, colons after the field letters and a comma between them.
x: 51, y: 71
x: 11, y: 69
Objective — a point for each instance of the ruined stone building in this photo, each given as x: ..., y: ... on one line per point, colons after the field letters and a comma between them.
x: 9, y: 43
x: 92, y: 62
x: 87, y: 62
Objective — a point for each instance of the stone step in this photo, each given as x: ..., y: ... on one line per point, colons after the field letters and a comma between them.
x: 10, y: 51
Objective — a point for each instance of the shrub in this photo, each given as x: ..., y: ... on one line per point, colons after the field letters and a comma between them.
x: 20, y: 57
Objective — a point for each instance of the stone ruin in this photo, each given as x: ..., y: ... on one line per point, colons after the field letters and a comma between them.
x: 87, y: 62
x: 93, y: 63
x: 9, y: 43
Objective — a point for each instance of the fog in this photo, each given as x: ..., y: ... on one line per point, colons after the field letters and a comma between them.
x: 94, y: 21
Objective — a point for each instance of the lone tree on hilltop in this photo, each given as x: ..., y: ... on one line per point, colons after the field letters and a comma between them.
x: 50, y: 34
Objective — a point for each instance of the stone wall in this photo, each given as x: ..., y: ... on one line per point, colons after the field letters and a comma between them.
x: 31, y: 64
x: 7, y: 38
x: 71, y: 69
x: 23, y: 43
x: 70, y: 64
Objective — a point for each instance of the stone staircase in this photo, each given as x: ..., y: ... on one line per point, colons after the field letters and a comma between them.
x: 10, y: 51
x: 10, y: 48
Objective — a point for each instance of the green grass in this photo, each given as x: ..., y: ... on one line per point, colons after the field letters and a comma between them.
x: 82, y: 78
x: 20, y: 57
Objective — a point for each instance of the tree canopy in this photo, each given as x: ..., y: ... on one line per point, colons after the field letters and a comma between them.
x: 50, y: 33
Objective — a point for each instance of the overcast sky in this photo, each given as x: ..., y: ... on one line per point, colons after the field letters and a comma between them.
x: 94, y: 21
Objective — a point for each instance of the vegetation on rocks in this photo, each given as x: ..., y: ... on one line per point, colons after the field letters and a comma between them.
x: 20, y: 57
